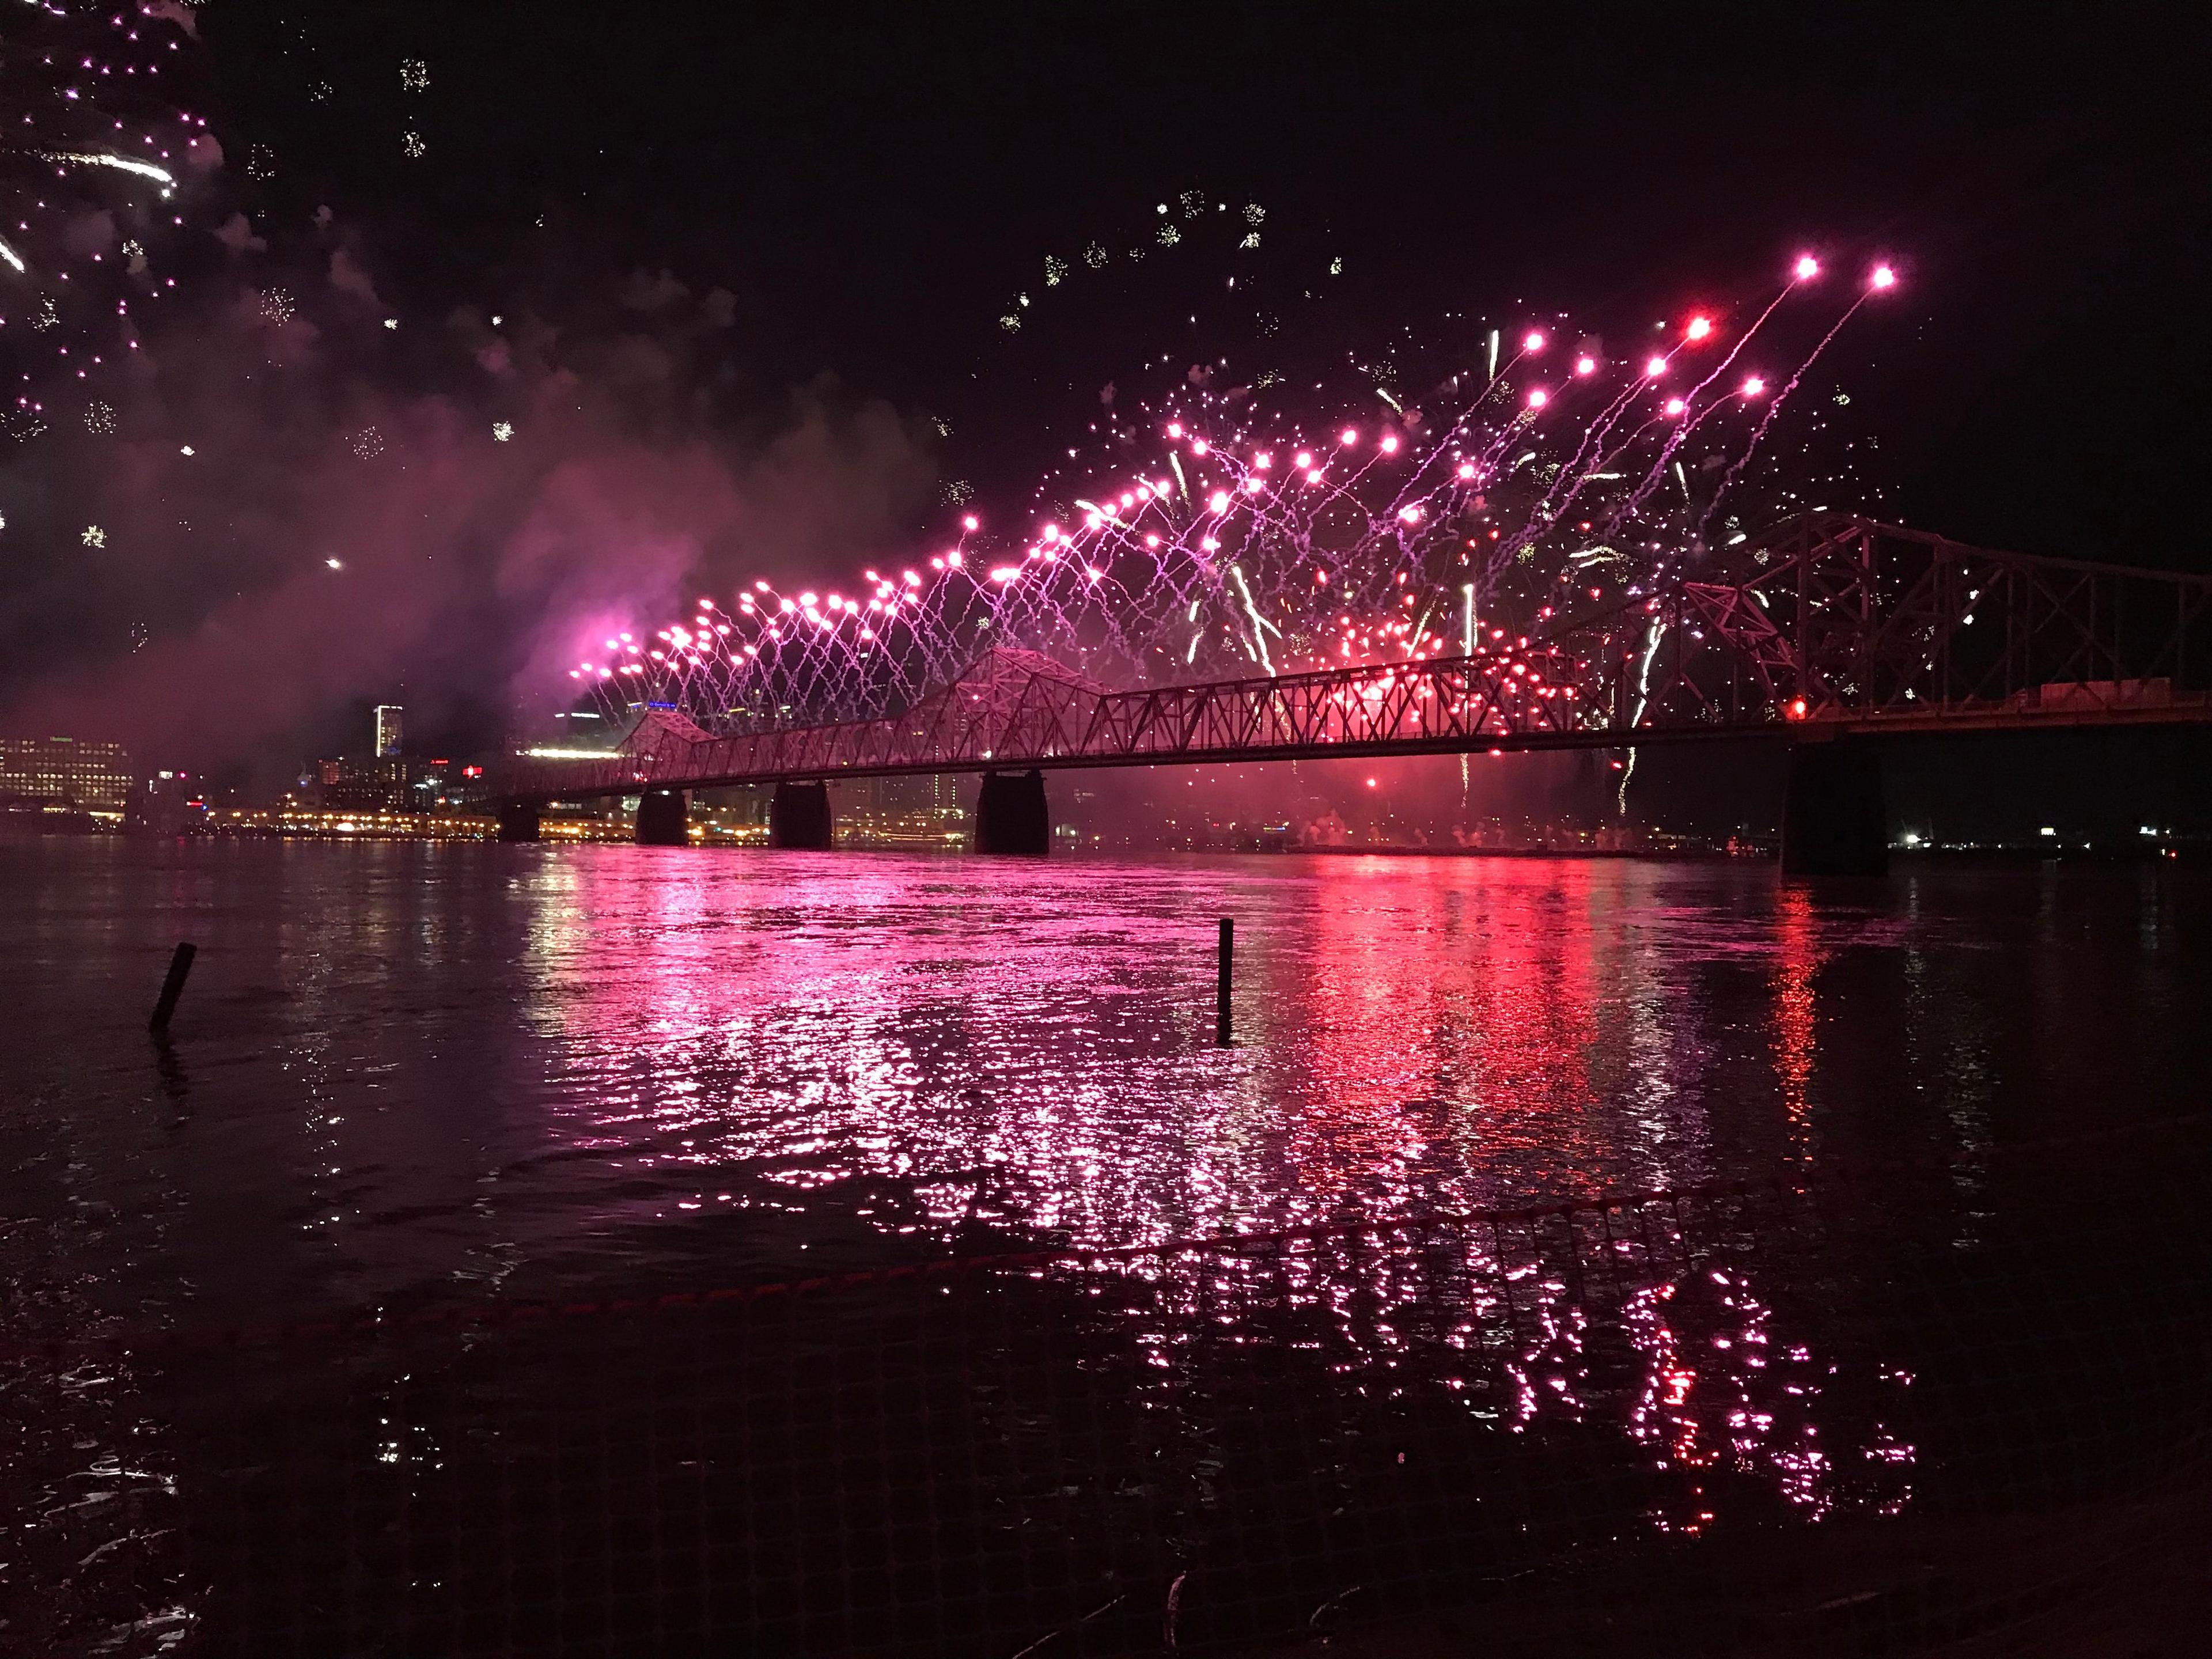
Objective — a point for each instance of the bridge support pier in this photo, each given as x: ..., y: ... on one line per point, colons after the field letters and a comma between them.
x: 1012, y: 814
x: 663, y: 818
x: 1832, y: 811
x: 518, y: 819
x: 799, y: 817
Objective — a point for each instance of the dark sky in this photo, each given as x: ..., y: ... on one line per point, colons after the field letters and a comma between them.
x: 877, y: 178
x: 868, y: 188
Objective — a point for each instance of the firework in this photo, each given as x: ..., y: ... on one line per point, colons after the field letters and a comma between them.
x: 1540, y: 513
x: 1191, y: 208
x: 88, y: 180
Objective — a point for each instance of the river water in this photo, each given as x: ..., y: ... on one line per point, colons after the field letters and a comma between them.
x: 410, y: 1075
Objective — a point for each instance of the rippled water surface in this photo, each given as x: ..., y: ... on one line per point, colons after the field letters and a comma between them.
x: 1962, y: 1273
x: 410, y: 1070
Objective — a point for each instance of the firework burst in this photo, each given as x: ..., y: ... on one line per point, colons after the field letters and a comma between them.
x: 93, y: 159
x: 1541, y: 504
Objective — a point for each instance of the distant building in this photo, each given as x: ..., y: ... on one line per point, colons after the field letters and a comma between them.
x: 168, y: 803
x: 90, y: 776
x: 370, y: 786
x: 388, y: 732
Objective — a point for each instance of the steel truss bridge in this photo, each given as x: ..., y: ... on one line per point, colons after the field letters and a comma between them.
x: 1831, y: 625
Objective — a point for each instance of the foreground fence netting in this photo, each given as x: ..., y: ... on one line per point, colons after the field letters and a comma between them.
x: 1716, y: 1421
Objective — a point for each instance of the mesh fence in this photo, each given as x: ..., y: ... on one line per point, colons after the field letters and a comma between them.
x: 1716, y: 1421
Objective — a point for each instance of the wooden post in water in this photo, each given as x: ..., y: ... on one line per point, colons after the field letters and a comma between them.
x: 172, y: 987
x: 1221, y: 984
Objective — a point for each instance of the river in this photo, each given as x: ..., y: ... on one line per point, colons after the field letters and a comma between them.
x: 408, y: 1075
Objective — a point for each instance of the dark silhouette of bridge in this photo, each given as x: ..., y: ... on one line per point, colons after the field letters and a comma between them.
x: 1832, y: 630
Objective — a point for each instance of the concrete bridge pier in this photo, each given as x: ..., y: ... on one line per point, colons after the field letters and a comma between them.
x: 663, y: 818
x: 799, y: 817
x: 1832, y: 811
x: 1012, y: 814
x: 518, y: 819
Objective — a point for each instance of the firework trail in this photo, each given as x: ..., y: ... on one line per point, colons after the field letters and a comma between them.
x: 1882, y: 278
x: 1239, y: 534
x: 90, y: 165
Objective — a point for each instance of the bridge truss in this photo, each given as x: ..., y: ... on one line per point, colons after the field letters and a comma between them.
x: 1832, y: 624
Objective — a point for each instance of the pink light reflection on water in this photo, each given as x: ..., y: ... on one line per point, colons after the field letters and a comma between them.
x: 929, y: 1049
x: 1414, y: 1034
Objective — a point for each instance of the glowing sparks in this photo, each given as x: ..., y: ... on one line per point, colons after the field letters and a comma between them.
x: 162, y: 176
x: 93, y: 536
x: 84, y: 92
x: 1155, y: 554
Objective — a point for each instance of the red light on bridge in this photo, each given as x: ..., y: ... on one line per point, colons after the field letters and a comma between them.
x: 1796, y: 708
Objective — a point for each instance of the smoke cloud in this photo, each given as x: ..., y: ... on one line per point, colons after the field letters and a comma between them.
x: 298, y: 508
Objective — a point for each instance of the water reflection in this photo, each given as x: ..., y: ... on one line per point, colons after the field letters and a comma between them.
x: 419, y: 1072
x: 1420, y: 1036
x: 1415, y: 1035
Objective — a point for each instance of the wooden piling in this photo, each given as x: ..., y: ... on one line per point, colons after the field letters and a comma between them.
x: 1221, y: 984
x: 180, y: 964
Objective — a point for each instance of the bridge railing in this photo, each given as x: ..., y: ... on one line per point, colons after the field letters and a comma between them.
x: 1833, y: 620
x: 1862, y: 621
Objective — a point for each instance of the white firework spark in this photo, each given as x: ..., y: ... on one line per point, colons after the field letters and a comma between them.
x: 122, y: 163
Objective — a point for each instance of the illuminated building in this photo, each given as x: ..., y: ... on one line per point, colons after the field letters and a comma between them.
x: 90, y: 776
x: 370, y: 786
x: 388, y: 733
x: 168, y: 803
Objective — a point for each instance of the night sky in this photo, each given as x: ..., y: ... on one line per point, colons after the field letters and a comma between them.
x: 875, y: 184
x: 848, y: 198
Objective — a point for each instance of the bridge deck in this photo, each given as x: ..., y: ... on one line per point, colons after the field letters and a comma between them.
x: 1188, y: 725
x: 1828, y: 625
